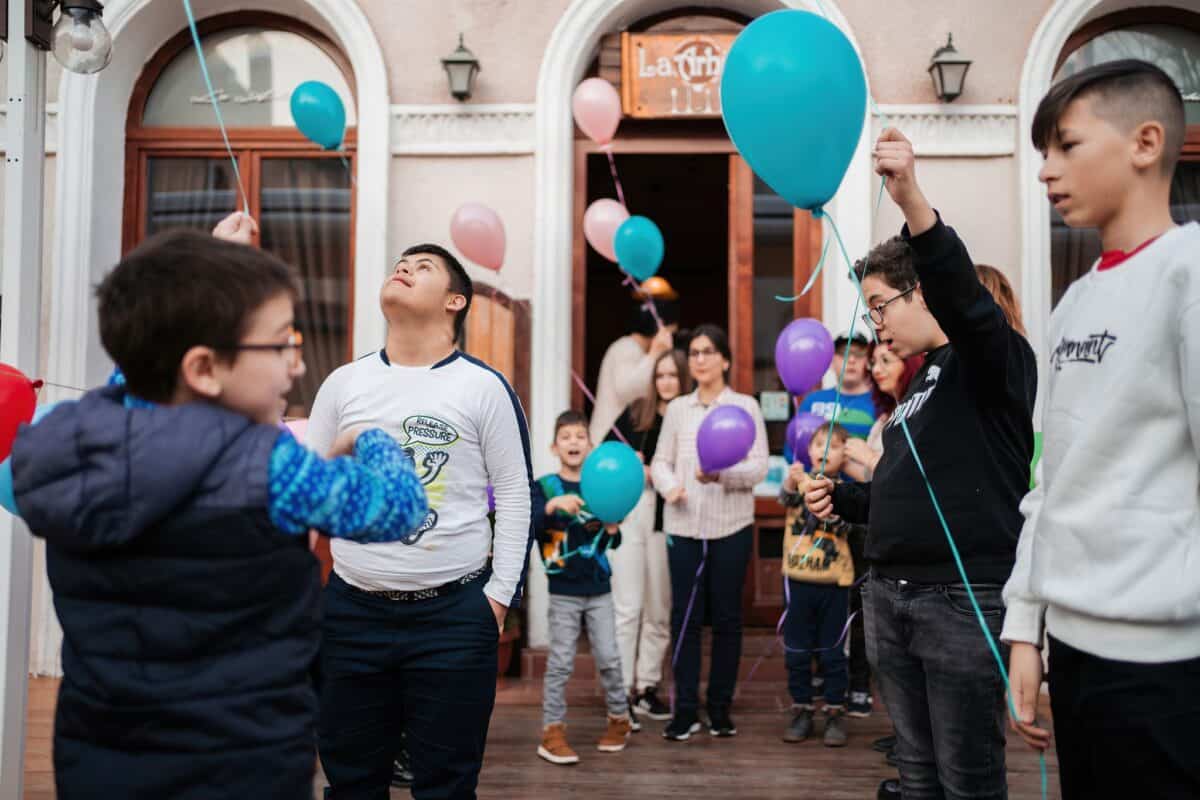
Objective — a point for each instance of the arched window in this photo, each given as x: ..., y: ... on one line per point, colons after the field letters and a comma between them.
x: 179, y: 175
x: 1170, y: 39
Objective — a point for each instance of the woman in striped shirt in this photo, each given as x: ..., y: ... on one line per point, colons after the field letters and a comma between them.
x: 710, y: 519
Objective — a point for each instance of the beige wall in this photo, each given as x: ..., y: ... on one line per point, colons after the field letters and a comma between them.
x: 425, y: 191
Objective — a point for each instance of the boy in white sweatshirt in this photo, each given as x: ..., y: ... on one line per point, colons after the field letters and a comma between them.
x: 1108, y: 556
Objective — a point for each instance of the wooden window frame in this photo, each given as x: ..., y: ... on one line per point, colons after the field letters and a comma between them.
x: 250, y: 144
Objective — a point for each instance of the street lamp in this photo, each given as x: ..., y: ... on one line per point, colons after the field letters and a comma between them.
x: 461, y: 68
x: 948, y: 69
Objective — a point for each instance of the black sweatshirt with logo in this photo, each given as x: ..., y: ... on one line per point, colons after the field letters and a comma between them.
x: 969, y: 410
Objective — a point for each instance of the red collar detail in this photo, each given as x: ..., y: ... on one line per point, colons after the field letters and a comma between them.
x: 1114, y: 258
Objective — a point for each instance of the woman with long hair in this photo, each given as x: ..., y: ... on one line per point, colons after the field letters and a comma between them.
x: 641, y: 579
x: 891, y: 376
x: 710, y: 518
x: 995, y: 282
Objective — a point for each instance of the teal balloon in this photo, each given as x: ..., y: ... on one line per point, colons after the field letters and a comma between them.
x: 794, y: 99
x: 8, y: 500
x: 612, y: 481
x: 639, y: 247
x: 319, y: 113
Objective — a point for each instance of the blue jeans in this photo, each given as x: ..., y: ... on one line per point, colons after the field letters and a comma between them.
x: 816, y: 615
x: 426, y: 668
x: 941, y: 685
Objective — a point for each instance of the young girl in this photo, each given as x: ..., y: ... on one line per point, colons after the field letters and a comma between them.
x: 641, y: 580
x: 891, y: 375
x: 711, y: 519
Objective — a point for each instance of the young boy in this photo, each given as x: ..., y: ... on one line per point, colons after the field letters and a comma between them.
x: 176, y: 514
x: 969, y: 412
x: 1107, y: 559
x: 412, y: 627
x: 857, y: 406
x: 573, y: 550
x: 819, y: 570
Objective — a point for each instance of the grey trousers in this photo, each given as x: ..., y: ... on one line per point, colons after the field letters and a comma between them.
x: 568, y: 614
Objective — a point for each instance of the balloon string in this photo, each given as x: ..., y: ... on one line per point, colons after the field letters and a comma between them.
x: 612, y: 168
x: 64, y: 386
x: 587, y: 393
x: 649, y: 304
x: 349, y: 171
x: 811, y: 278
x: 212, y: 96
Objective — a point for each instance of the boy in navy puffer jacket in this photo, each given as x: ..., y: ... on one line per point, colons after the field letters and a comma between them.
x: 176, y: 512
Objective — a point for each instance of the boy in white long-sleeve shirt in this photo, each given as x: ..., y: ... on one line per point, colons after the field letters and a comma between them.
x: 411, y: 628
x: 1107, y: 560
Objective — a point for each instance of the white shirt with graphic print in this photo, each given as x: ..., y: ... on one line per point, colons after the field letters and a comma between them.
x: 465, y: 429
x: 1110, y: 549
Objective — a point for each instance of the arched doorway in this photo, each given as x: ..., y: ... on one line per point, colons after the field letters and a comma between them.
x: 178, y: 173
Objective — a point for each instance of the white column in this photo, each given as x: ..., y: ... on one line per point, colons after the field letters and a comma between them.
x: 23, y: 175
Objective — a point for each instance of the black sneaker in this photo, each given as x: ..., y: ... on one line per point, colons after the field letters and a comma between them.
x: 720, y: 724
x: 681, y: 727
x: 859, y: 705
x: 801, y: 726
x: 402, y: 777
x: 634, y: 725
x: 649, y: 705
x: 884, y: 744
x: 888, y: 790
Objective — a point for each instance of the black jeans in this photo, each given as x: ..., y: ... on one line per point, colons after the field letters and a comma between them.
x: 860, y: 667
x: 425, y: 668
x: 719, y: 593
x: 816, y: 616
x: 1125, y: 729
x: 941, y: 685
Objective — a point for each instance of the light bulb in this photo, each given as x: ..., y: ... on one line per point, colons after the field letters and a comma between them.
x: 81, y: 42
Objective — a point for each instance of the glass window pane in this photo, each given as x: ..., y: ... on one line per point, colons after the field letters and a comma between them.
x: 189, y: 193
x: 253, y: 70
x: 306, y: 222
x: 1176, y: 50
x: 773, y: 266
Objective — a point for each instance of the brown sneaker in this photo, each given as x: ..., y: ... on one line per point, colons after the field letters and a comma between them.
x: 613, y: 740
x: 554, y: 747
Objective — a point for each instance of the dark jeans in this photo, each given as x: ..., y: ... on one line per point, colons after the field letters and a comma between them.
x: 860, y: 666
x: 1124, y: 729
x: 423, y: 668
x: 816, y: 615
x: 941, y: 685
x: 719, y: 594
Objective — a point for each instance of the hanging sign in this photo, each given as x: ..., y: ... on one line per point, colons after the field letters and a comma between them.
x: 678, y: 75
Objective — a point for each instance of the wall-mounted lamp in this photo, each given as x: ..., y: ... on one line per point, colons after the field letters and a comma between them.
x: 948, y: 68
x: 461, y: 68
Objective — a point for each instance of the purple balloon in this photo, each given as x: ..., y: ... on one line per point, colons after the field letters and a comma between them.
x: 491, y: 493
x: 725, y: 437
x: 800, y: 432
x: 803, y: 351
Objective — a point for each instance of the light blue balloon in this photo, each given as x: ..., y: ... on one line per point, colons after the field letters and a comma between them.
x: 319, y: 113
x: 639, y: 247
x: 794, y: 99
x: 612, y: 481
x: 42, y: 411
x: 8, y: 500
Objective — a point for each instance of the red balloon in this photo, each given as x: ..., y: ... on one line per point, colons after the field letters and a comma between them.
x: 18, y: 397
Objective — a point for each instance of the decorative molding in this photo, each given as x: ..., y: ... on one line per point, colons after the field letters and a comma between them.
x: 458, y: 129
x: 51, y: 128
x: 948, y: 131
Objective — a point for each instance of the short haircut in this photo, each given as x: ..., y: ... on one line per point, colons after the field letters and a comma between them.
x: 1127, y: 93
x: 716, y: 335
x: 178, y: 290
x: 892, y: 261
x: 833, y: 429
x: 568, y: 418
x: 643, y: 321
x: 460, y: 281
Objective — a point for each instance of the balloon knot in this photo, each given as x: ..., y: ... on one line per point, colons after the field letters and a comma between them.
x: 818, y: 212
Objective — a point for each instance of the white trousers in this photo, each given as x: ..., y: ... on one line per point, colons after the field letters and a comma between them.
x: 641, y: 590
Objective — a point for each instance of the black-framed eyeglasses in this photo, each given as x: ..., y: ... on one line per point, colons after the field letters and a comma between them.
x: 293, y: 347
x: 707, y: 352
x: 875, y: 315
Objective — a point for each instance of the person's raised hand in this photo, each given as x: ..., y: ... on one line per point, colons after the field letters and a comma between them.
x: 896, y: 161
x: 662, y: 342
x: 818, y: 497
x: 237, y: 227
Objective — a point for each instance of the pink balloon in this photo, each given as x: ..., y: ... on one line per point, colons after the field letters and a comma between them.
x: 298, y: 427
x: 478, y: 232
x: 597, y: 108
x: 600, y: 223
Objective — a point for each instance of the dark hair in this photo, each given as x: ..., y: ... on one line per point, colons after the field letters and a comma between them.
x: 884, y: 402
x: 716, y: 335
x: 460, y: 281
x: 645, y: 409
x: 834, y: 429
x: 1128, y: 93
x: 178, y: 290
x: 642, y: 320
x: 891, y: 261
x: 568, y: 418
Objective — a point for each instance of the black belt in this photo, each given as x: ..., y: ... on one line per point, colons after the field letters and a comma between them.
x: 431, y: 593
